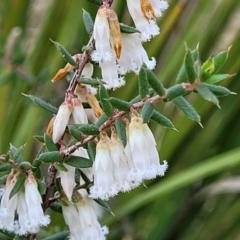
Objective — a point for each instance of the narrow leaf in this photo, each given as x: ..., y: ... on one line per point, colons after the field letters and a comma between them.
x: 207, y: 94
x: 58, y: 236
x: 5, y: 167
x: 61, y: 167
x: 121, y: 131
x: 219, y: 91
x: 15, y: 153
x: 39, y: 138
x: 101, y: 120
x: 120, y: 104
x: 36, y: 163
x: 147, y: 111
x: 42, y: 104
x: 182, y: 75
x: 90, y: 81
x: 135, y: 100
x: 75, y: 132
x: 88, y: 129
x: 50, y: 157
x: 18, y: 185
x: 56, y: 206
x: 91, y: 150
x: 104, y: 205
x: 218, y: 78
x: 49, y: 143
x: 220, y: 59
x: 187, y: 109
x: 65, y: 54
x: 128, y: 29
x: 142, y: 83
x: 41, y: 187
x: 161, y: 119
x: 190, y: 67
x: 155, y: 83
x: 88, y: 21
x: 79, y: 162
x: 103, y: 95
x: 175, y: 91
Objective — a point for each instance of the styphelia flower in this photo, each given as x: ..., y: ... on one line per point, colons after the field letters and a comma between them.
x: 8, y: 206
x: 82, y: 221
x: 34, y: 203
x: 144, y: 14
x: 78, y: 113
x: 104, y: 183
x: 143, y: 148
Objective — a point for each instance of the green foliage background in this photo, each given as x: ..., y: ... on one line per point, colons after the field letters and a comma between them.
x: 199, y: 196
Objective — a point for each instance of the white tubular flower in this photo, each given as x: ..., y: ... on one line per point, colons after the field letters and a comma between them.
x: 78, y: 113
x: 143, y: 149
x: 120, y: 164
x: 144, y: 14
x: 82, y: 152
x: 133, y: 55
x: 104, y: 183
x: 68, y: 180
x: 61, y: 120
x: 34, y: 203
x: 82, y: 221
x: 8, y: 206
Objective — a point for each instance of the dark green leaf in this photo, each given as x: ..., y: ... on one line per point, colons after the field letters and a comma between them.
x: 98, y: 2
x: 219, y: 91
x: 175, y: 91
x: 190, y: 66
x: 128, y: 29
x: 142, y: 83
x: 58, y: 236
x: 79, y: 162
x: 60, y: 167
x: 18, y: 185
x: 103, y: 95
x: 88, y: 129
x: 42, y: 104
x: 85, y: 178
x: 182, y: 75
x: 56, y: 206
x: 5, y: 167
x: 65, y: 54
x: 121, y: 131
x: 104, y: 205
x: 136, y: 99
x: 220, y: 59
x: 88, y: 21
x: 91, y: 149
x: 218, y: 78
x: 49, y: 143
x: 39, y: 138
x: 155, y: 83
x: 147, y: 111
x: 50, y: 157
x: 38, y: 173
x: 41, y: 187
x: 90, y: 81
x: 75, y: 132
x: 36, y: 163
x: 15, y: 153
x: 207, y: 94
x: 187, y: 109
x: 101, y: 120
x: 25, y: 166
x: 77, y: 176
x: 120, y: 104
x: 161, y: 119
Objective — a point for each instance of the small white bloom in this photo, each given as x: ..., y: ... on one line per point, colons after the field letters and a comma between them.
x: 78, y: 113
x: 104, y: 183
x: 143, y: 149
x: 61, y: 120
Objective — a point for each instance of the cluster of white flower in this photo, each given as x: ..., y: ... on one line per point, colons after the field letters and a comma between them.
x: 27, y: 203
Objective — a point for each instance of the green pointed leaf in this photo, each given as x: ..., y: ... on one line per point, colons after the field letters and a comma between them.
x: 207, y: 68
x: 85, y: 178
x: 50, y: 157
x: 88, y: 129
x: 220, y: 59
x: 65, y: 54
x: 5, y: 167
x: 88, y: 21
x: 142, y: 83
x: 136, y: 99
x: 207, y: 94
x: 36, y: 163
x: 91, y: 150
x: 77, y: 176
x: 42, y: 104
x: 98, y: 2
x: 79, y: 162
x: 101, y: 120
x: 41, y: 187
x: 120, y: 104
x: 155, y: 83
x: 49, y: 143
x: 175, y: 91
x: 60, y: 167
x: 147, y: 111
x: 121, y: 131
x: 190, y: 66
x: 25, y: 166
x: 182, y: 75
x: 89, y: 81
x: 58, y: 236
x: 161, y: 119
x: 15, y: 153
x: 56, y: 207
x: 104, y: 205
x: 128, y: 29
x: 218, y: 78
x: 75, y: 132
x: 39, y: 138
x: 187, y: 109
x: 103, y: 95
x: 18, y: 185
x: 218, y: 91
